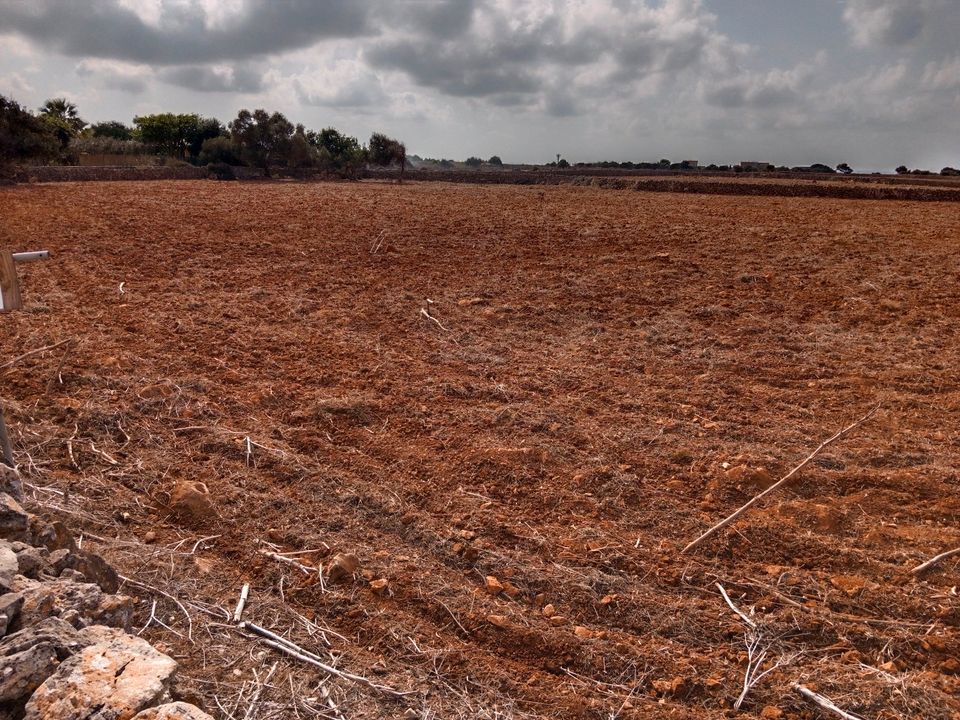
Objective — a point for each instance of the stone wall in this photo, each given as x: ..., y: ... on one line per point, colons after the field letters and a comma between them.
x: 65, y: 651
x: 75, y: 173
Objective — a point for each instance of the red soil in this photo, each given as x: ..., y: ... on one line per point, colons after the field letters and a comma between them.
x: 560, y: 422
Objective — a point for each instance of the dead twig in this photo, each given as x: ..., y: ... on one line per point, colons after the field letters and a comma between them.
x: 256, y: 696
x: 31, y: 353
x: 73, y: 459
x: 777, y: 485
x: 306, y: 569
x: 428, y: 316
x: 295, y: 651
x: 743, y: 616
x: 824, y: 703
x: 56, y: 375
x: 167, y: 595
x: 923, y: 567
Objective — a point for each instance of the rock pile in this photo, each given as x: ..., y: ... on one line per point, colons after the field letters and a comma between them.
x: 65, y: 652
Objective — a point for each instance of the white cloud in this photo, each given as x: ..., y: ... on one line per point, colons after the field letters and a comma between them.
x: 114, y: 75
x: 15, y: 85
x: 942, y: 75
x: 892, y: 22
x: 344, y: 83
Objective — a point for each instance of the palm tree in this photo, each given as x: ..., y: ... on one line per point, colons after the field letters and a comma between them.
x: 64, y: 111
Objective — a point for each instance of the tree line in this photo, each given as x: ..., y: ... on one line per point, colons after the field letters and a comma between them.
x: 57, y: 134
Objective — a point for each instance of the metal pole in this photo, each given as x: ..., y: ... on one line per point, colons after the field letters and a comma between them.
x: 5, y: 442
x: 31, y: 256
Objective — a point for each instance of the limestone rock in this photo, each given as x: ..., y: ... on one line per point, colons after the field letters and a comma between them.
x: 91, y: 566
x: 342, y: 566
x: 29, y: 657
x: 13, y: 519
x: 10, y: 605
x: 493, y: 585
x: 173, y: 711
x: 8, y: 566
x: 58, y: 560
x: 80, y: 604
x: 10, y: 482
x: 53, y: 536
x: 31, y: 561
x: 190, y: 502
x: 114, y: 679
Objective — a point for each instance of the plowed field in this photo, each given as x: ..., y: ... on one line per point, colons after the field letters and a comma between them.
x: 515, y: 405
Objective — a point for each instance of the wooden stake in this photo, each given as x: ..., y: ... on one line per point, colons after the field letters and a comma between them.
x: 9, y: 287
x: 5, y: 446
x: 241, y: 603
x: 777, y: 485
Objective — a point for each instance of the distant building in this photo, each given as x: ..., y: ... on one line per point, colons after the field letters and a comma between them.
x: 690, y: 164
x: 753, y: 166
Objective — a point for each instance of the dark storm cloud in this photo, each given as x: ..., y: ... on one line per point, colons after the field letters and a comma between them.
x: 202, y: 78
x: 435, y: 18
x: 561, y: 104
x: 600, y: 49
x: 455, y: 70
x: 105, y: 29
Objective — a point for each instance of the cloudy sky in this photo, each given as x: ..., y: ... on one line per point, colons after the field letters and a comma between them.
x: 874, y: 83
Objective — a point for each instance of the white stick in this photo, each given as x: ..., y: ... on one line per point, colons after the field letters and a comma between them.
x: 934, y: 560
x: 241, y: 603
x: 428, y: 316
x: 738, y: 611
x: 777, y: 485
x: 824, y: 703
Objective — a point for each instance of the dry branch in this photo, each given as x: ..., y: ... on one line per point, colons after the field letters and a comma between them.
x: 179, y: 604
x: 11, y: 363
x: 936, y: 559
x: 743, y: 616
x: 428, y: 316
x: 777, y: 485
x: 824, y: 703
x: 293, y: 650
x: 289, y: 561
x: 55, y: 378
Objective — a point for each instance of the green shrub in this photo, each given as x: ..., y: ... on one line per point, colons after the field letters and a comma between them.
x: 221, y: 171
x: 219, y: 150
